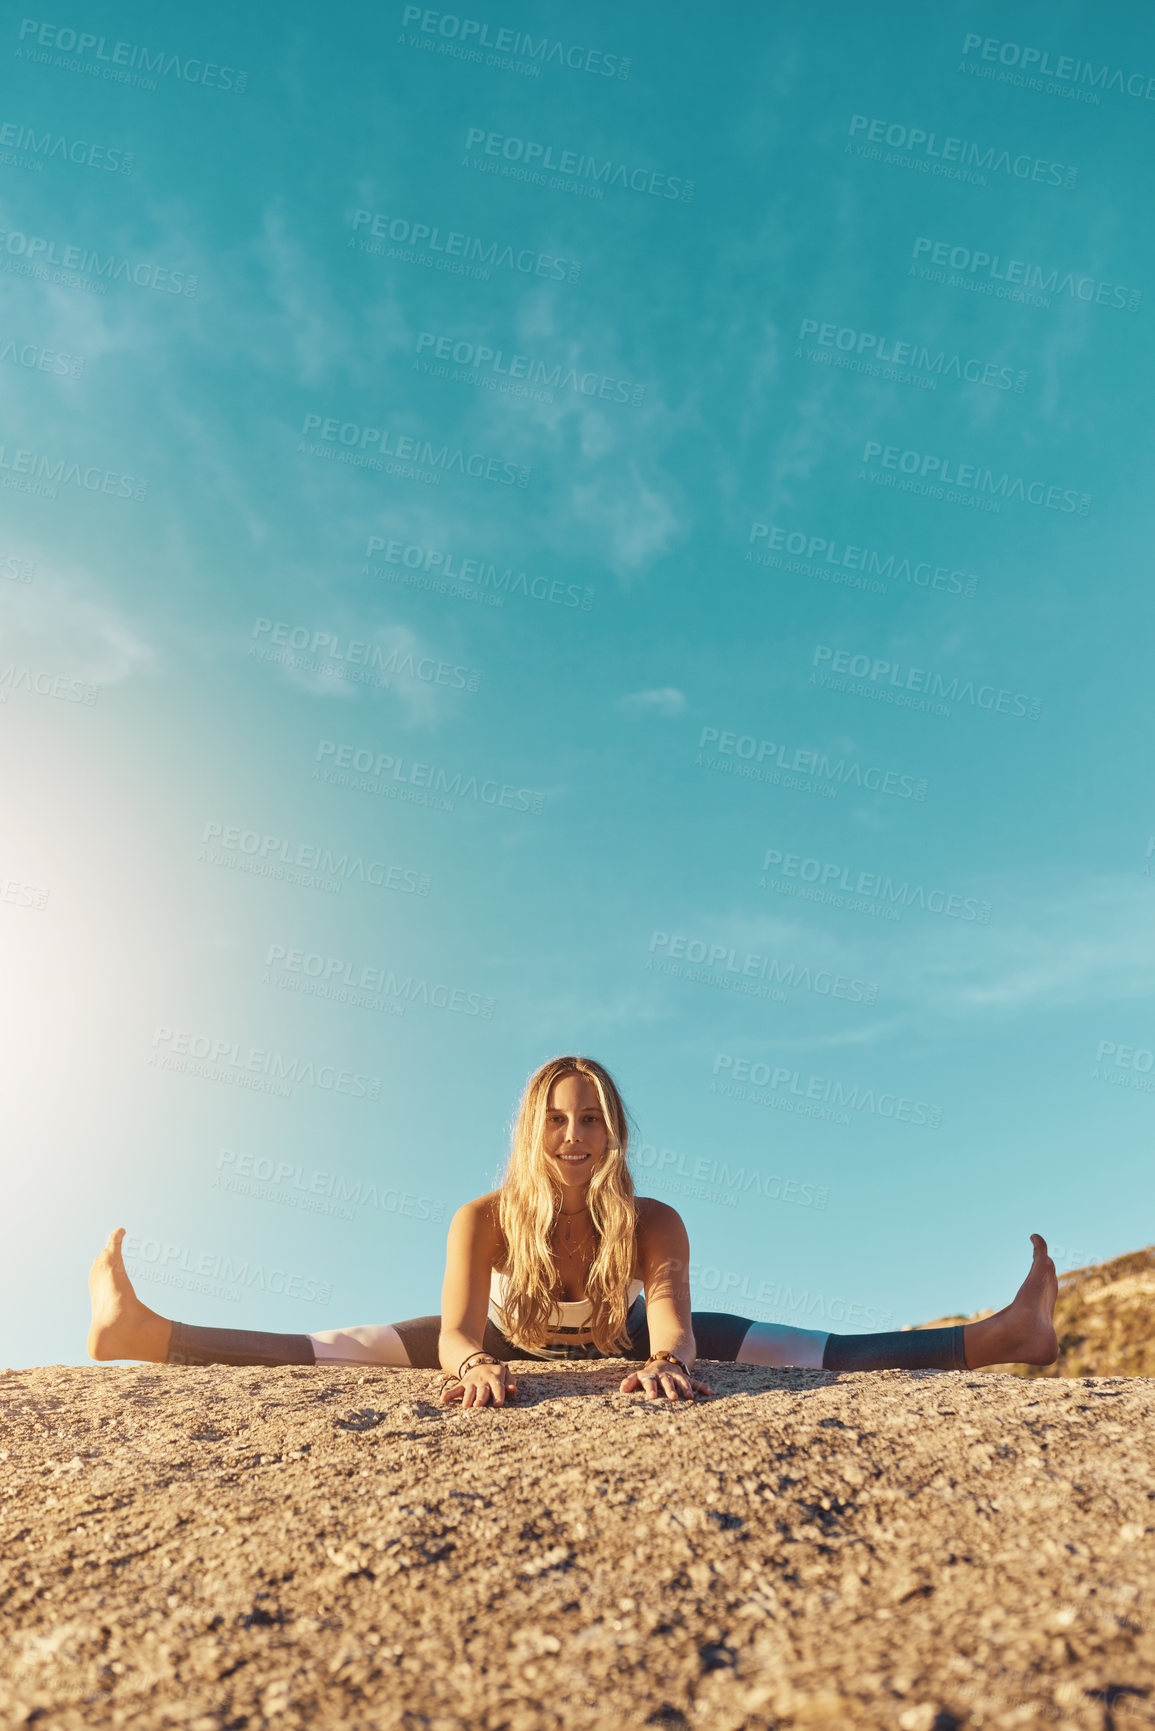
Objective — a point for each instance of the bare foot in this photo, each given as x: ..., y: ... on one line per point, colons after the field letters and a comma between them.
x: 1022, y: 1332
x: 122, y: 1327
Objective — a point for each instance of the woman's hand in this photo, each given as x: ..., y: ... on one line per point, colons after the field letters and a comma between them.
x: 658, y: 1381
x: 481, y: 1384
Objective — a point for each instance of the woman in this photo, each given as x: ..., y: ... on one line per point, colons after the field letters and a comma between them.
x: 565, y: 1262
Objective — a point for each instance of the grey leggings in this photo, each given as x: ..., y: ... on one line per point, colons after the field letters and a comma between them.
x: 718, y: 1335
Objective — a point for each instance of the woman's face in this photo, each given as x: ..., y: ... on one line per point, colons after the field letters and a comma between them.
x: 576, y: 1133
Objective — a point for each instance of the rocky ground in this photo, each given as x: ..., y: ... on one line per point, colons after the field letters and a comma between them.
x: 224, y: 1548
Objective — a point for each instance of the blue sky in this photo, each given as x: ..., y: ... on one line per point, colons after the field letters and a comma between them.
x: 422, y: 579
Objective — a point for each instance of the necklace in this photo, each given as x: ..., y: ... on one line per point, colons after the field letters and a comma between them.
x: 567, y: 1231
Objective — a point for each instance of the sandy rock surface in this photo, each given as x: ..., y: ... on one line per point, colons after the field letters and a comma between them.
x: 228, y: 1548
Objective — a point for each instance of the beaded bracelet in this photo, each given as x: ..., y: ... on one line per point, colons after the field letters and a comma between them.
x: 473, y: 1358
x: 669, y: 1358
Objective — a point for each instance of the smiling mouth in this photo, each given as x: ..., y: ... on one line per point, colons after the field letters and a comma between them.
x: 571, y: 1159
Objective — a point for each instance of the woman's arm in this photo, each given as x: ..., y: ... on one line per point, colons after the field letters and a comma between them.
x: 473, y: 1245
x: 664, y: 1263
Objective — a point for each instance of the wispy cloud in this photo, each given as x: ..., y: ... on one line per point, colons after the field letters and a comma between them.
x: 64, y: 621
x: 666, y: 701
x: 1086, y: 945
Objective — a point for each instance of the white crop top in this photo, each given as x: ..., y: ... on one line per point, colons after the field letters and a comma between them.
x: 568, y: 1313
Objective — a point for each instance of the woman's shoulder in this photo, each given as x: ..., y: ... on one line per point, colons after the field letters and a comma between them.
x: 656, y: 1216
x: 475, y: 1231
x: 481, y: 1211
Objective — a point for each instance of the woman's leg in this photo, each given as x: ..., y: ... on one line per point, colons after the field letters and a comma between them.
x: 402, y: 1346
x: 368, y: 1343
x: 738, y: 1340
x: 410, y: 1345
x: 192, y: 1344
x: 124, y: 1327
x: 1021, y: 1333
x: 721, y: 1335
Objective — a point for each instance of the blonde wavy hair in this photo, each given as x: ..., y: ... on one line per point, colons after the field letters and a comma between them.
x: 530, y: 1203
